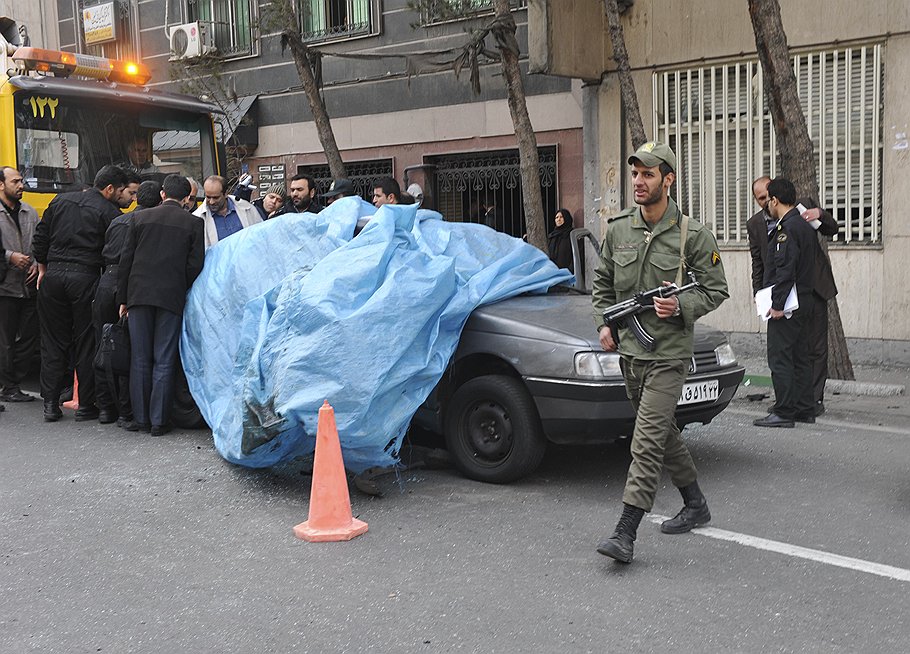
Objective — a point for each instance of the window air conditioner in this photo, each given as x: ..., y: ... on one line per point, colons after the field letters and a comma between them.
x: 189, y: 40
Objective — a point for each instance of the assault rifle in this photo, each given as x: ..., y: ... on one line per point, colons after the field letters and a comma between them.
x: 625, y: 314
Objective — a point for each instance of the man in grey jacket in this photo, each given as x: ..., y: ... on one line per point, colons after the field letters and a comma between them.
x: 18, y: 311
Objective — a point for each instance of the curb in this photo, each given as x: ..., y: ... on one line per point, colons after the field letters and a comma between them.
x: 838, y: 386
x: 845, y: 387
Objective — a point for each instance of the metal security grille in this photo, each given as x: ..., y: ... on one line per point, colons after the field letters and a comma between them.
x: 485, y: 187
x: 443, y: 10
x: 230, y: 21
x: 363, y: 174
x: 322, y: 20
x: 717, y: 120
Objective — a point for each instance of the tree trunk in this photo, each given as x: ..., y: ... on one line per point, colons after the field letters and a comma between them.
x: 300, y: 52
x: 507, y: 44
x: 795, y: 146
x: 626, y: 85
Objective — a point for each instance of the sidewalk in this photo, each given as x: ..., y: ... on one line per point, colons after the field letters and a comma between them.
x: 877, y: 381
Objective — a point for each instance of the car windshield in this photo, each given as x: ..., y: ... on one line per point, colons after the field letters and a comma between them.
x: 61, y: 142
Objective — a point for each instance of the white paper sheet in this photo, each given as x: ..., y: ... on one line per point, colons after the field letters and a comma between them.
x: 763, y: 303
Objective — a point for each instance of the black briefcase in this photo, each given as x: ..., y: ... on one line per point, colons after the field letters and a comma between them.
x: 114, y: 350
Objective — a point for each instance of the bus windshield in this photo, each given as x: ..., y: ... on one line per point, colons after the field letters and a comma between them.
x: 62, y: 142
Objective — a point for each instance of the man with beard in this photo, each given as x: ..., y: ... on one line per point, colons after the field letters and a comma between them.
x: 302, y: 194
x: 67, y: 246
x: 112, y: 393
x: 222, y: 214
x: 644, y: 247
x: 18, y: 310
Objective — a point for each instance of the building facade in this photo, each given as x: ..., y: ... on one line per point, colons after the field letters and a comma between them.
x: 700, y: 89
x: 428, y: 128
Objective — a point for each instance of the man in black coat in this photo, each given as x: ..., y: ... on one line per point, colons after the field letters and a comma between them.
x: 791, y: 263
x: 758, y: 228
x: 67, y: 246
x: 162, y: 256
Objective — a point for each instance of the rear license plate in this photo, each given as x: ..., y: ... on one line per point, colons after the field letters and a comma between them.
x: 703, y: 391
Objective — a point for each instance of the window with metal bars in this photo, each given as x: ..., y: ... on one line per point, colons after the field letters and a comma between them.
x: 324, y: 20
x: 717, y: 120
x: 363, y: 174
x: 439, y: 11
x: 230, y: 23
x: 485, y: 187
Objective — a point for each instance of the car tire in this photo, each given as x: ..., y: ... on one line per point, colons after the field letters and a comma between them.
x: 492, y: 430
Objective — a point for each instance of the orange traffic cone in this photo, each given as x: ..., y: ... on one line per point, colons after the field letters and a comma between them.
x: 330, y: 516
x: 73, y: 403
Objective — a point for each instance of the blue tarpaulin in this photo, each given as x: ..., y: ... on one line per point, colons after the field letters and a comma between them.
x: 297, y: 310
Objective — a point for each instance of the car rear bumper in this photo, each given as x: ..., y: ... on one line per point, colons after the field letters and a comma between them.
x: 576, y: 411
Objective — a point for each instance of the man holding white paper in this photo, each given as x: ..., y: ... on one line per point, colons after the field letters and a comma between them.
x: 791, y: 264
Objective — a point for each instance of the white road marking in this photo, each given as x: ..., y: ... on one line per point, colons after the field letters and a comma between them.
x: 891, y: 572
x: 826, y: 422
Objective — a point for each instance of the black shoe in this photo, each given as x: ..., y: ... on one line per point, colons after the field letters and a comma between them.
x: 123, y: 421
x: 694, y: 512
x: 621, y: 544
x: 819, y: 408
x: 15, y: 395
x: 85, y: 413
x: 52, y: 412
x: 808, y: 419
x: 773, y: 420
x: 132, y: 425
x: 160, y: 430
x: 107, y: 416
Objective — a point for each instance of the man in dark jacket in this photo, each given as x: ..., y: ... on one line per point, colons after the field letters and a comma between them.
x: 163, y: 255
x: 18, y: 312
x: 759, y: 227
x: 67, y: 246
x: 791, y: 263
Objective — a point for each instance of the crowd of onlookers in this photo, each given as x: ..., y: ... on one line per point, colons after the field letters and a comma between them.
x: 90, y: 262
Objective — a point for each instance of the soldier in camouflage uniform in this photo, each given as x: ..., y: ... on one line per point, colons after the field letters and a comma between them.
x: 642, y: 250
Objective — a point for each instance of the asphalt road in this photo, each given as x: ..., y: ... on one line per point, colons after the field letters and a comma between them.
x: 117, y: 542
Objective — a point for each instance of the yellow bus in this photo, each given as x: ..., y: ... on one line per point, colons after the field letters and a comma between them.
x: 65, y: 115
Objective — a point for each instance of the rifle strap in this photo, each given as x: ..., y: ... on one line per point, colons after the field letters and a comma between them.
x: 683, y: 233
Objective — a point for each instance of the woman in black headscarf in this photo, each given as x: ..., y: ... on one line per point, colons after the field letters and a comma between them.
x: 559, y: 244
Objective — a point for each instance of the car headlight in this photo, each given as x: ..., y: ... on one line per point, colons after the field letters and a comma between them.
x: 725, y: 355
x: 597, y: 365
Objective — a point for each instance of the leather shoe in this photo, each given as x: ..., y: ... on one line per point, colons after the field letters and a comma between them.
x: 773, y: 420
x: 160, y: 430
x: 85, y: 413
x: 107, y: 416
x: 15, y: 395
x: 132, y: 425
x: 52, y: 412
x: 123, y: 421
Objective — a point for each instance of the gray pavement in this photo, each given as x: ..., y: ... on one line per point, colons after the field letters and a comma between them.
x: 117, y: 542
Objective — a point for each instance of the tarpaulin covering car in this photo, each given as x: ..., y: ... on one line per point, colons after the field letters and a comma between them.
x: 297, y: 310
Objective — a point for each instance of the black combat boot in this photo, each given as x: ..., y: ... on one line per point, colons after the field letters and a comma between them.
x: 694, y: 512
x: 52, y: 412
x: 619, y: 546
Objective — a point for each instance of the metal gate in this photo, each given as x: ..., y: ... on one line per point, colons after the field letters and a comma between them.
x: 363, y: 174
x: 485, y: 187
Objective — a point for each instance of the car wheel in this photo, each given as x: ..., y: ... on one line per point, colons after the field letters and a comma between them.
x: 492, y: 431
